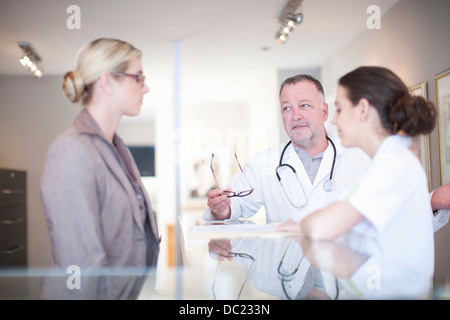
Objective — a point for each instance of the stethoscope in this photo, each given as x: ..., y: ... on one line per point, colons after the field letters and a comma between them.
x: 289, y: 276
x: 286, y: 276
x: 328, y: 184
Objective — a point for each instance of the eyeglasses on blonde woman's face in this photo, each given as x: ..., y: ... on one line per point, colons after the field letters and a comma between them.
x: 139, y: 77
x: 134, y: 70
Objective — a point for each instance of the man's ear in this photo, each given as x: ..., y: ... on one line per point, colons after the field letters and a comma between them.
x: 325, y: 111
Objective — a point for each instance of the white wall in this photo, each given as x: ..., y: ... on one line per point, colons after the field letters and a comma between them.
x: 413, y: 42
x: 223, y: 114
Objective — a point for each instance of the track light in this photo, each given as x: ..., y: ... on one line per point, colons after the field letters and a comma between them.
x: 288, y: 20
x: 30, y: 59
x: 296, y: 18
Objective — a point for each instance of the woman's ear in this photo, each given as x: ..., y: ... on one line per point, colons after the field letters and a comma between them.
x: 106, y: 83
x: 364, y: 108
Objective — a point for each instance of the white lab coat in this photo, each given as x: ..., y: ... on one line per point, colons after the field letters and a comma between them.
x: 393, y: 197
x: 260, y: 172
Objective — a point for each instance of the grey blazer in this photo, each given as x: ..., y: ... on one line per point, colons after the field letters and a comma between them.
x: 91, y: 208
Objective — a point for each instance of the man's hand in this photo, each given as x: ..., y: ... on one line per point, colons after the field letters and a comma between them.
x: 219, y: 249
x: 219, y: 204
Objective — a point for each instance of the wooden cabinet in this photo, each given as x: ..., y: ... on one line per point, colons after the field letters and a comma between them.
x: 13, y: 218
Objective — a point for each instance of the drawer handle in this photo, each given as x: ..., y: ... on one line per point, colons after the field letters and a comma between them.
x: 14, y: 250
x: 12, y: 191
x: 13, y: 221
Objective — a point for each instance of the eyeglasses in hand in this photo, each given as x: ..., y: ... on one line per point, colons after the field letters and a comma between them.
x: 231, y: 194
x: 239, y: 254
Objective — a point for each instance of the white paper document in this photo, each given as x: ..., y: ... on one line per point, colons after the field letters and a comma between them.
x: 233, y: 228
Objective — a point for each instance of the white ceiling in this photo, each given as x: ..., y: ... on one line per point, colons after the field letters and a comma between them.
x: 216, y: 36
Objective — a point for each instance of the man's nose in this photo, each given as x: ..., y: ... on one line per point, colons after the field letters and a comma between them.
x: 297, y: 114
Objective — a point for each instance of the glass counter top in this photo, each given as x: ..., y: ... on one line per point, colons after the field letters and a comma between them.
x: 261, y: 264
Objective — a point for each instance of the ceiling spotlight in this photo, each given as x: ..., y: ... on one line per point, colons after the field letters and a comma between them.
x: 30, y: 59
x: 282, y: 38
x: 289, y: 18
x: 296, y: 19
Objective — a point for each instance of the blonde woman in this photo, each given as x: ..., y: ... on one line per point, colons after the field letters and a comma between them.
x: 97, y: 210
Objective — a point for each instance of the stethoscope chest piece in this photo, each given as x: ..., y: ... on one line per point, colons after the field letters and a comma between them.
x: 328, y: 185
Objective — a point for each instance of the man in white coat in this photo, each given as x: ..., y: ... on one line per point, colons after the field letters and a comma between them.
x: 308, y: 173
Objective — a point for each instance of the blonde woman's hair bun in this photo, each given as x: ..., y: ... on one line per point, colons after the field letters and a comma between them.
x: 73, y: 86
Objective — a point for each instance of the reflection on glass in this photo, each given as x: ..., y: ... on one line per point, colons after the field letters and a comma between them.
x: 352, y: 267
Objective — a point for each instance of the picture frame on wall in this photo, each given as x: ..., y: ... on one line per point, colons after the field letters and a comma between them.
x: 442, y: 84
x: 421, y: 144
